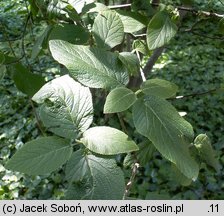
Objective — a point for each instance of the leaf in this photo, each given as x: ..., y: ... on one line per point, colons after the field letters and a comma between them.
x: 143, y: 7
x: 177, y: 176
x: 160, y: 30
x: 140, y: 46
x: 79, y: 4
x: 131, y: 62
x: 40, y: 156
x: 94, y: 178
x: 119, y: 99
x: 156, y: 119
x: 40, y: 42
x: 33, y: 7
x: 69, y: 32
x: 159, y: 87
x: 2, y: 71
x: 144, y: 155
x: 92, y: 67
x: 27, y: 82
x: 132, y: 21
x: 107, y: 141
x: 206, y: 152
x: 70, y: 108
x: 108, y: 29
x: 95, y: 7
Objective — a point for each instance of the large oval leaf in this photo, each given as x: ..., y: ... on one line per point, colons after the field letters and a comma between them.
x: 119, y: 99
x: 159, y: 87
x: 41, y: 42
x: 78, y: 5
x: 93, y: 67
x: 160, y: 30
x: 108, y: 29
x: 41, y: 156
x: 206, y: 152
x: 108, y: 141
x: 27, y: 82
x: 132, y: 21
x: 92, y: 177
x: 69, y: 110
x: 131, y: 62
x: 158, y: 120
x: 69, y: 32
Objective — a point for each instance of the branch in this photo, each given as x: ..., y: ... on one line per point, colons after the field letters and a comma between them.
x: 192, y: 10
x: 141, y: 70
x: 119, y: 6
x: 194, y: 94
x: 152, y: 60
x: 11, y: 39
x: 131, y: 181
x: 124, y: 129
x: 23, y: 38
x: 206, y: 36
x: 16, y: 61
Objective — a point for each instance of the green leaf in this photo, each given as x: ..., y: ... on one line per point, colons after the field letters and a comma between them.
x: 156, y: 119
x: 41, y: 156
x: 144, y: 155
x: 132, y: 21
x: 33, y: 7
x: 140, y: 46
x: 78, y: 4
x: 95, y: 7
x: 41, y: 42
x: 177, y: 176
x: 160, y: 30
x: 159, y: 87
x: 108, y: 29
x: 70, y: 33
x: 206, y: 152
x: 27, y: 82
x: 131, y: 62
x: 2, y: 71
x: 119, y: 99
x: 70, y: 110
x: 107, y: 141
x: 94, y: 178
x: 144, y: 7
x: 92, y: 67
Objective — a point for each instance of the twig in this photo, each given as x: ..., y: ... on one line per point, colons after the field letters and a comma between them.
x: 16, y: 61
x: 152, y: 60
x: 141, y: 70
x: 194, y: 94
x: 124, y: 129
x: 207, y: 36
x: 221, y: 2
x: 6, y: 39
x: 131, y: 180
x: 119, y: 6
x: 23, y: 38
x: 11, y: 39
x: 192, y: 10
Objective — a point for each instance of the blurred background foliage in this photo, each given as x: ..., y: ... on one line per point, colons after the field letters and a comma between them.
x: 194, y: 62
